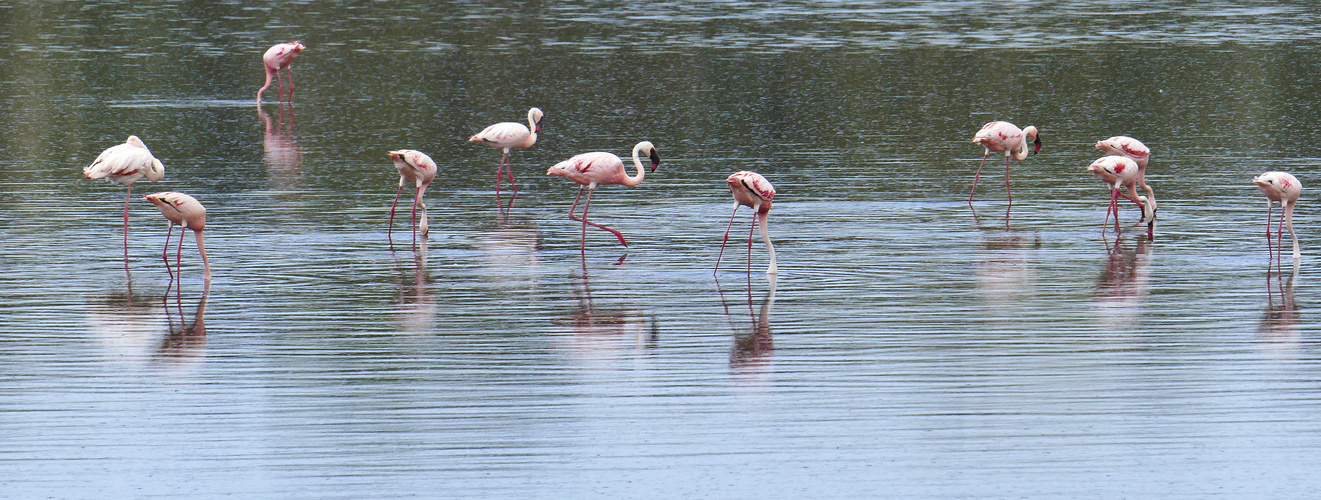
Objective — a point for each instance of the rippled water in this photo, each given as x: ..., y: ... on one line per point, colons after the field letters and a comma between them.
x: 910, y: 347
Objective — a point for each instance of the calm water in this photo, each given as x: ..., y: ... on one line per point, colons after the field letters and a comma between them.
x: 910, y: 347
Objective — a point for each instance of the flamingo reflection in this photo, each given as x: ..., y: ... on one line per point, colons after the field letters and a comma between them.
x: 753, y: 350
x: 1006, y: 267
x: 282, y: 155
x: 1123, y: 283
x: 125, y: 325
x: 186, y: 344
x: 1279, y: 326
x: 416, y: 309
x: 600, y: 332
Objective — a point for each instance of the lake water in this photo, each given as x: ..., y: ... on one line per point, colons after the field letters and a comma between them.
x: 910, y: 347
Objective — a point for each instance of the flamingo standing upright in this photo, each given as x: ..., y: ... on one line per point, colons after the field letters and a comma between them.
x: 188, y: 213
x: 1004, y: 136
x: 278, y: 58
x: 1284, y: 188
x: 125, y: 164
x: 1117, y: 172
x: 590, y: 169
x: 416, y: 167
x: 753, y: 190
x: 509, y: 135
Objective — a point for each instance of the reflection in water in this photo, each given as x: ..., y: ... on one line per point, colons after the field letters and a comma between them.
x: 596, y: 332
x: 283, y: 156
x: 1123, y: 283
x: 416, y: 312
x: 1279, y: 326
x: 185, y: 345
x: 752, y: 351
x: 125, y: 324
x: 509, y: 246
x: 1006, y: 269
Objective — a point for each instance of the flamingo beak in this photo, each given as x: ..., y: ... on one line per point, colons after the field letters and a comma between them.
x: 1036, y: 144
x: 655, y: 160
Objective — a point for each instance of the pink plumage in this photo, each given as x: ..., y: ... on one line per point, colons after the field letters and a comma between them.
x: 1004, y: 136
x: 591, y: 169
x: 1284, y: 188
x: 277, y: 58
x: 417, y: 168
x: 125, y: 164
x: 509, y: 135
x: 1117, y: 172
x: 751, y: 189
x: 188, y: 213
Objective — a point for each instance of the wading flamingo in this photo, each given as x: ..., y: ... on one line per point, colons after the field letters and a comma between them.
x: 188, y: 213
x: 1284, y: 188
x: 278, y: 58
x: 509, y: 135
x: 1004, y: 136
x: 753, y: 190
x: 125, y: 164
x: 1117, y: 172
x: 590, y: 169
x: 1136, y: 151
x: 415, y: 167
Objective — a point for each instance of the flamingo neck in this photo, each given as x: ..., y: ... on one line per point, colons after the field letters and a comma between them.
x: 642, y: 172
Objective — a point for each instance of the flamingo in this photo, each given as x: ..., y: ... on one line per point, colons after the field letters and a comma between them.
x: 509, y: 135
x: 1136, y: 151
x: 188, y: 213
x: 753, y: 190
x: 275, y: 59
x: 1117, y: 172
x: 1004, y: 136
x: 590, y: 169
x: 416, y: 167
x: 125, y: 164
x: 1284, y: 188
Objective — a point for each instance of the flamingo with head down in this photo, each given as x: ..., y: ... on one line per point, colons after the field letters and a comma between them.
x: 1284, y: 188
x: 277, y: 58
x: 1117, y: 172
x: 753, y: 190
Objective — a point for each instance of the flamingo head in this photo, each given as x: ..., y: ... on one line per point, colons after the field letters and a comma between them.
x: 534, y: 117
x: 651, y: 152
x: 1031, y: 131
x: 297, y: 47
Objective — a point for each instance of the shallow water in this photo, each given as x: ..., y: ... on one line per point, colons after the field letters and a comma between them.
x: 909, y: 347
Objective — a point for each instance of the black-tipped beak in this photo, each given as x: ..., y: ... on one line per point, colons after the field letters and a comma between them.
x: 1036, y: 145
x: 655, y: 160
x: 538, y: 126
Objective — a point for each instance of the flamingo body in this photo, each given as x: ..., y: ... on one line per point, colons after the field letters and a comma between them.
x: 188, y: 213
x: 1120, y: 171
x: 509, y: 135
x: 751, y: 189
x: 417, y: 168
x: 1284, y: 188
x: 591, y: 169
x: 125, y: 164
x: 1006, y: 137
x: 277, y: 58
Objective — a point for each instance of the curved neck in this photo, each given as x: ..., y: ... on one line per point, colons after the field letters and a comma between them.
x: 642, y: 172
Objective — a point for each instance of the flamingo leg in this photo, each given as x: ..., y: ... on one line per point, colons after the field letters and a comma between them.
x: 1009, y: 192
x: 289, y: 71
x: 726, y: 240
x: 1288, y: 219
x: 1114, y: 205
x: 178, y: 257
x: 509, y: 170
x: 499, y: 170
x: 770, y: 249
x: 1270, y: 252
x: 390, y: 228
x: 591, y: 188
x: 977, y: 176
x: 127, y: 196
x: 417, y: 198
x: 165, y: 253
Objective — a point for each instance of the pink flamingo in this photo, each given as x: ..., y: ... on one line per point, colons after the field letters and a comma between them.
x: 415, y: 167
x: 1136, y: 151
x: 1004, y: 136
x: 509, y: 135
x: 188, y: 213
x: 125, y: 164
x: 1284, y: 188
x: 753, y: 190
x: 1117, y: 172
x: 590, y: 169
x: 275, y: 59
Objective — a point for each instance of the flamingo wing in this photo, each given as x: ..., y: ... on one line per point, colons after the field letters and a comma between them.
x: 503, y: 135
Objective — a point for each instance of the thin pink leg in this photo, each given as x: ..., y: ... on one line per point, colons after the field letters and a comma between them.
x: 165, y: 253
x: 499, y: 172
x: 127, y: 196
x: 593, y: 224
x: 586, y: 205
x: 509, y: 170
x: 977, y: 176
x: 390, y: 228
x: 178, y: 257
x: 1279, y: 240
x: 1269, y: 250
x: 1114, y: 205
x: 726, y: 240
x: 290, y: 72
x: 1007, y: 191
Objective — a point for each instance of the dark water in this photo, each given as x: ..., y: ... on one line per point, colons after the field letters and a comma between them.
x: 909, y: 347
